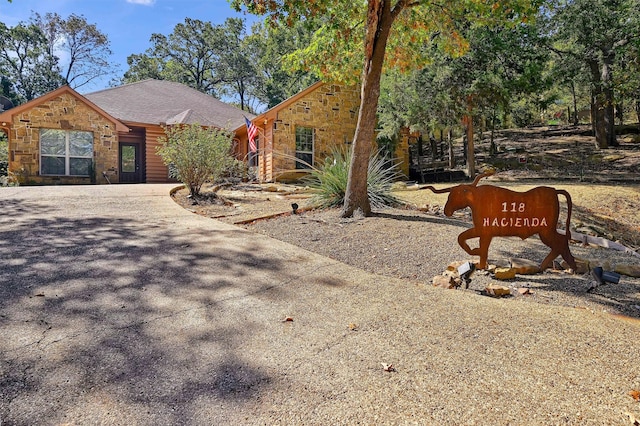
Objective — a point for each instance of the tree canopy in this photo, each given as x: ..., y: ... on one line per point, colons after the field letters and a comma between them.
x: 351, y: 42
x: 597, y: 33
x: 225, y: 61
x: 30, y: 55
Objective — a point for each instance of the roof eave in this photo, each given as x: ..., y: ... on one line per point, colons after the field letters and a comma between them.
x: 272, y: 112
x: 7, y: 116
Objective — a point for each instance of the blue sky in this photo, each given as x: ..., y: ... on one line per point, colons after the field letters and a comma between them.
x: 127, y: 23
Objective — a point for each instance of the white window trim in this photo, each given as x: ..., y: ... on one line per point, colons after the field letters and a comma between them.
x: 67, y: 156
x: 313, y: 143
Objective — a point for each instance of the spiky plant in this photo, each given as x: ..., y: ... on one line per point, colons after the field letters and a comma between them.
x: 329, y: 180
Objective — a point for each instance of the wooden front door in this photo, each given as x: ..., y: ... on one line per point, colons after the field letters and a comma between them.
x: 130, y: 170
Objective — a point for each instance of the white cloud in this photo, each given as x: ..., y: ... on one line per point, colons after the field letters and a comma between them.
x: 142, y: 2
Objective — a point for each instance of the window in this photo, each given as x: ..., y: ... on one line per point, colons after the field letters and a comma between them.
x: 253, y: 156
x: 65, y: 152
x: 304, y: 147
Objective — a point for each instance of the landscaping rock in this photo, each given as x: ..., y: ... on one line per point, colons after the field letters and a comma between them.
x: 582, y: 266
x: 628, y: 270
x: 524, y: 266
x: 497, y: 290
x: 606, y: 265
x: 504, y: 273
x: 444, y: 281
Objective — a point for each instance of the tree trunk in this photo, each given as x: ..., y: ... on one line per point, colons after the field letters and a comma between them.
x: 609, y: 110
x: 434, y: 148
x: 620, y: 112
x: 575, y: 104
x: 452, y: 158
x: 492, y: 145
x: 471, y: 161
x: 379, y: 21
x: 600, y: 124
x: 598, y: 106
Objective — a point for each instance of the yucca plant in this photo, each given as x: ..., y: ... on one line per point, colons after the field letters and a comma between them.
x: 329, y: 180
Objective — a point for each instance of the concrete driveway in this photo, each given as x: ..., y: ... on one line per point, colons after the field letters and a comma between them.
x: 119, y: 307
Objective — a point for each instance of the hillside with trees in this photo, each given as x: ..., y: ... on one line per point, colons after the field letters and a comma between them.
x: 455, y: 72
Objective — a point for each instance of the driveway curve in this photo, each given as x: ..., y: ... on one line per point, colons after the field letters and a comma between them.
x: 119, y: 307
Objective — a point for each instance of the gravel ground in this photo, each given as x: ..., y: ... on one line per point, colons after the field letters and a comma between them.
x: 416, y: 246
x: 557, y: 356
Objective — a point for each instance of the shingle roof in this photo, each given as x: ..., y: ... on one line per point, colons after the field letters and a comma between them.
x: 166, y: 102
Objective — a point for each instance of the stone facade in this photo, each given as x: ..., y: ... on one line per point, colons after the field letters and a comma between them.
x: 331, y: 111
x: 65, y: 112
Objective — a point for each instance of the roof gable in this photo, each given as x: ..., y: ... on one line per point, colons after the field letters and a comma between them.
x: 7, y: 115
x: 272, y: 112
x: 161, y: 102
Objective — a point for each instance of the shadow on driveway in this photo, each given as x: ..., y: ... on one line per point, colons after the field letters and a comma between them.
x: 125, y: 310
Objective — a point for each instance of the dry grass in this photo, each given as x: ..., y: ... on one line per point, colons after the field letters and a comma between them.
x: 605, y: 210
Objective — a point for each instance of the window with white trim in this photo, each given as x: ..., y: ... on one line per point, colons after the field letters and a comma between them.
x: 65, y: 152
x: 304, y: 147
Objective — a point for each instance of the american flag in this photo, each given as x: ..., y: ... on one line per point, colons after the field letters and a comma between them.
x: 252, y: 131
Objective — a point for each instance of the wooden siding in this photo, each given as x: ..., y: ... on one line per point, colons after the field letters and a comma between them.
x: 265, y: 162
x: 155, y: 170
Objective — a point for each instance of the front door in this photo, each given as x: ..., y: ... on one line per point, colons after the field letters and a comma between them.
x: 130, y: 170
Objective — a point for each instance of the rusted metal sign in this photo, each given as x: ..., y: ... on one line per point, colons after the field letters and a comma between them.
x: 500, y: 212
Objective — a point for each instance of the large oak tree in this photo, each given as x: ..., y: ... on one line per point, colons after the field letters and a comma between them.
x: 357, y: 35
x: 596, y: 32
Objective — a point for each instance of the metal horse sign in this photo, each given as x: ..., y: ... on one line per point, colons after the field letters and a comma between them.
x: 500, y: 212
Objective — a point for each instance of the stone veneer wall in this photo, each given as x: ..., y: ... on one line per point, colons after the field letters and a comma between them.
x: 65, y: 112
x: 331, y: 110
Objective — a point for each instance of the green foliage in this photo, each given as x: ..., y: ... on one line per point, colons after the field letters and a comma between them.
x: 26, y: 63
x: 268, y: 44
x: 30, y: 55
x: 224, y: 60
x: 336, y: 49
x: 523, y: 113
x: 238, y: 171
x: 329, y: 181
x: 196, y: 154
x: 85, y: 46
x: 598, y: 33
x: 4, y: 154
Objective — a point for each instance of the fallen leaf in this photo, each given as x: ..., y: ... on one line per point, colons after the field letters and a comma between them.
x: 635, y: 394
x: 287, y: 319
x: 353, y: 327
x: 388, y: 367
x: 524, y: 290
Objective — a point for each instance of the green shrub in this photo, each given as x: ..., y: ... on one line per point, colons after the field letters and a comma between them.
x: 239, y: 171
x: 196, y: 155
x: 4, y: 154
x: 329, y: 180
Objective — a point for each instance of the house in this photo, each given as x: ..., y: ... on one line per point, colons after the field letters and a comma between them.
x: 110, y: 135
x: 301, y: 131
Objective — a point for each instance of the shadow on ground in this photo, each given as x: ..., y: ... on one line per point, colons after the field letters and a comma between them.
x: 91, y: 305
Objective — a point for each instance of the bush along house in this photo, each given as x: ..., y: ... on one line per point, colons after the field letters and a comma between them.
x: 109, y: 136
x: 301, y: 132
